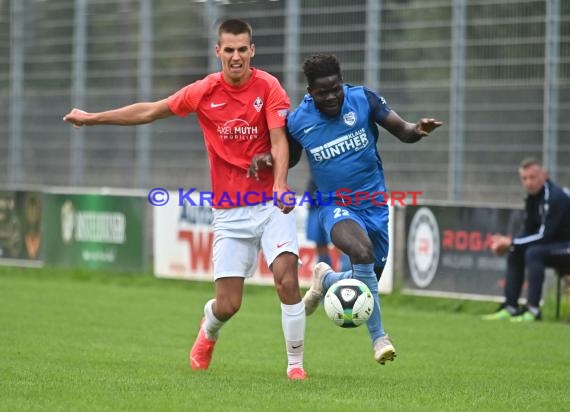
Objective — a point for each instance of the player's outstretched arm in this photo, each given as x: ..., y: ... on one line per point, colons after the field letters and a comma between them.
x: 134, y: 114
x: 409, y: 132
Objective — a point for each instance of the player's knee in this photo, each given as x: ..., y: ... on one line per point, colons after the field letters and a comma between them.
x: 287, y: 284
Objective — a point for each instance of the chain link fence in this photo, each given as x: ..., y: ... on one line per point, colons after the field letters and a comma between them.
x: 498, y: 75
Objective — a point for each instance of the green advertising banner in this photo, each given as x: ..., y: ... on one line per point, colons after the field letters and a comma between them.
x: 20, y: 225
x: 94, y: 231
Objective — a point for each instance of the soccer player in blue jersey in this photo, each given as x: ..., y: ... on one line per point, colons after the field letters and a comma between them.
x: 336, y: 125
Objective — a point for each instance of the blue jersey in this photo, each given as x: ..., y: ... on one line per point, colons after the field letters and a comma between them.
x: 342, y: 151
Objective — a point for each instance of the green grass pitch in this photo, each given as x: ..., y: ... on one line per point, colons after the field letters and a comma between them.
x: 77, y: 341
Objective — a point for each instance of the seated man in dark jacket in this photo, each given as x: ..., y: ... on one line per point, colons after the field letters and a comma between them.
x: 544, y: 241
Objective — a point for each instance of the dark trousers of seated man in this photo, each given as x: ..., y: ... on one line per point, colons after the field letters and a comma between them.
x: 535, y: 258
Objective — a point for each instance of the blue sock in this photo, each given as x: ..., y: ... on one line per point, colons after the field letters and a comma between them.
x: 325, y: 257
x: 333, y: 277
x: 365, y: 273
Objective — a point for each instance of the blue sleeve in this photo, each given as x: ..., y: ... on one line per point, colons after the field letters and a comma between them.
x: 378, y: 106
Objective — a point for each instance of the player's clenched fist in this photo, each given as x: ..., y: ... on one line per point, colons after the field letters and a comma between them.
x: 77, y: 118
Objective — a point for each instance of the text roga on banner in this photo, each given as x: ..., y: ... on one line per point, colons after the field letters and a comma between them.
x: 448, y: 250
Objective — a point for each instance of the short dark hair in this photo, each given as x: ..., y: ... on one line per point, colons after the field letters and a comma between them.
x: 528, y: 162
x: 235, y: 26
x: 321, y: 65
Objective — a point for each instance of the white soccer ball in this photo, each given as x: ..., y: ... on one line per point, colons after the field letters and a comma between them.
x: 349, y: 303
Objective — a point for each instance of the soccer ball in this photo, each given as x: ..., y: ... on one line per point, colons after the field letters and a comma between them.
x: 349, y: 303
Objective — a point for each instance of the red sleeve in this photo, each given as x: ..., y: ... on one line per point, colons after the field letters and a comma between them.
x: 277, y: 105
x: 185, y: 100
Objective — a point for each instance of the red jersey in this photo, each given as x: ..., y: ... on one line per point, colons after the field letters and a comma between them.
x: 235, y: 122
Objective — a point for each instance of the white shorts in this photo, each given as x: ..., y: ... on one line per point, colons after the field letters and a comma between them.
x: 240, y: 232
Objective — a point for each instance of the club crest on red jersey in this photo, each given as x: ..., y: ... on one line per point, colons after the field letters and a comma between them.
x: 258, y: 104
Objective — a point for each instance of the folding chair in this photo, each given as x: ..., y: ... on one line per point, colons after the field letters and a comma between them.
x: 561, y: 272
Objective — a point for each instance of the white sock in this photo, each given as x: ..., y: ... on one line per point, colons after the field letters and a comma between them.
x: 211, y: 324
x: 293, y: 322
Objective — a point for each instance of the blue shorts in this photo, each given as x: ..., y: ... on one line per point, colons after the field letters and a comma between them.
x: 315, y: 231
x: 374, y: 221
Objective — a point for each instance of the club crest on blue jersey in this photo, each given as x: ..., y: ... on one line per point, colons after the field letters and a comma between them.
x: 349, y: 118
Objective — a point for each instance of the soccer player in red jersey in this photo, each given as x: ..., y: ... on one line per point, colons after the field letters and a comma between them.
x: 241, y: 111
